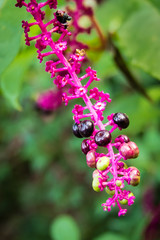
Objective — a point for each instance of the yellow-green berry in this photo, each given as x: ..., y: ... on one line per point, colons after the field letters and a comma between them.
x: 118, y: 183
x: 103, y: 163
x: 95, y: 184
x: 130, y: 194
x: 123, y: 201
x: 110, y: 192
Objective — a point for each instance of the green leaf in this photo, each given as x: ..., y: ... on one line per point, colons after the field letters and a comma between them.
x: 105, y: 66
x: 139, y: 39
x: 1, y: 3
x: 10, y: 32
x: 115, y: 12
x: 110, y: 236
x: 156, y: 3
x: 12, y: 77
x: 64, y: 227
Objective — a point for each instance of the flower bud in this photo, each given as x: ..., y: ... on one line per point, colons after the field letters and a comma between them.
x: 95, y: 184
x: 103, y: 163
x: 91, y: 159
x: 129, y: 150
x: 134, y: 175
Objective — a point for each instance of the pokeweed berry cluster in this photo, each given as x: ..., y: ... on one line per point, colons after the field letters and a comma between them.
x: 66, y: 73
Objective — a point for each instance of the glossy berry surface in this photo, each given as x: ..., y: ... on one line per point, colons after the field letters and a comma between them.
x: 121, y: 119
x: 122, y: 139
x: 102, y: 137
x: 85, y: 146
x: 75, y: 130
x: 86, y: 128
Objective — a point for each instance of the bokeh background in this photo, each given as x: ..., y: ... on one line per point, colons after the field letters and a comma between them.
x: 45, y: 184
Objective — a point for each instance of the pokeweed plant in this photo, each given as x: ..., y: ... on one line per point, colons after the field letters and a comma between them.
x: 111, y: 171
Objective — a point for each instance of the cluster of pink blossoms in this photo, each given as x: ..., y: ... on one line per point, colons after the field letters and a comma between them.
x: 49, y: 101
x: 80, y: 11
x: 65, y: 72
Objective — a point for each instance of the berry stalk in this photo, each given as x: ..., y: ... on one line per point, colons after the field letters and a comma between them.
x: 65, y: 72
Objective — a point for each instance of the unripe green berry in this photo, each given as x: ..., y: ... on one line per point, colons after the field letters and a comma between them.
x: 109, y: 191
x: 123, y: 201
x: 130, y: 195
x: 95, y: 184
x: 103, y: 163
x: 118, y: 183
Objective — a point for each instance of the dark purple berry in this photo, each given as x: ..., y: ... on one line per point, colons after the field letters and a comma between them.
x: 85, y: 146
x: 102, y: 138
x: 122, y: 139
x: 86, y: 128
x: 121, y: 119
x: 75, y: 130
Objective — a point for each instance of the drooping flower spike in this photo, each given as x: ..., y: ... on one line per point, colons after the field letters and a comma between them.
x: 65, y: 72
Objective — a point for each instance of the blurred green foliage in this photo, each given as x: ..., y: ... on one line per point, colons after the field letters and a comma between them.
x: 45, y: 185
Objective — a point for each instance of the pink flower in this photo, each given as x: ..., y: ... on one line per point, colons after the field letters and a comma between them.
x: 95, y: 93
x: 62, y: 46
x: 49, y: 100
x: 122, y: 212
x: 65, y: 98
x: 80, y: 91
x: 26, y: 27
x: 100, y: 106
x: 61, y: 81
x: 50, y: 68
x: 92, y: 73
x: 19, y: 3
x: 52, y: 4
x: 78, y: 109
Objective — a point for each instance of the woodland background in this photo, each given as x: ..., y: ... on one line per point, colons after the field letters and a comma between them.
x: 45, y: 185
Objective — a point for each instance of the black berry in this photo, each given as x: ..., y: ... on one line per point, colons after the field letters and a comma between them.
x: 122, y: 139
x: 86, y: 128
x: 102, y: 137
x: 75, y: 130
x: 121, y: 119
x: 85, y: 146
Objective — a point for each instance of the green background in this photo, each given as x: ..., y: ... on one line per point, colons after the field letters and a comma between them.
x: 45, y: 184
